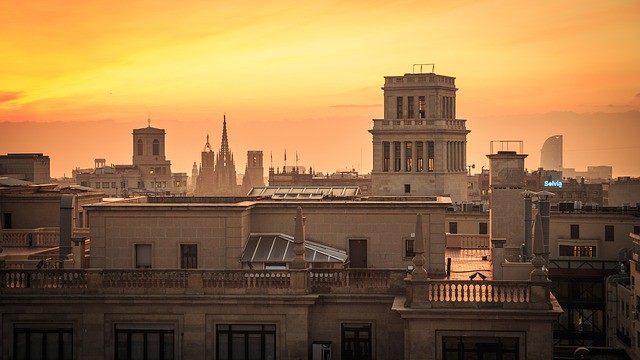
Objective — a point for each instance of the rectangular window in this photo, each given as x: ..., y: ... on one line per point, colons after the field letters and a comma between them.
x: 97, y: 185
x: 575, y: 231
x: 408, y: 155
x: 386, y: 156
x: 430, y: 156
x: 577, y: 251
x: 113, y: 185
x: 140, y: 185
x: 410, y: 107
x: 7, y: 222
x: 407, y: 188
x: 356, y: 341
x: 453, y: 227
x: 636, y: 229
x: 480, y: 347
x: 408, y: 248
x: 608, y: 233
x: 188, y: 256
x: 105, y: 185
x: 396, y: 156
x: 144, y: 344
x: 421, y: 107
x: 48, y: 342
x: 399, y: 107
x: 483, y: 228
x: 420, y: 156
x: 245, y: 342
x: 143, y: 256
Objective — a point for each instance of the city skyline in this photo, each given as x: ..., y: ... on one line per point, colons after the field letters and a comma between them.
x: 304, y: 73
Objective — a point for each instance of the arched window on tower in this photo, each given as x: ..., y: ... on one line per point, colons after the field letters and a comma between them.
x: 139, y: 147
x: 156, y: 147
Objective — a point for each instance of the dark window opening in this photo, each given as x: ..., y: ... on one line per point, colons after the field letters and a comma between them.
x: 245, y: 342
x: 156, y: 147
x: 356, y: 342
x: 399, y: 107
x: 410, y: 107
x: 421, y: 107
x: 453, y: 227
x: 480, y: 347
x: 430, y: 156
x: 407, y: 188
x: 575, y: 231
x: 139, y: 147
x: 386, y: 158
x: 408, y: 248
x: 396, y: 156
x: 144, y: 344
x: 7, y: 222
x: 420, y: 156
x: 188, y: 256
x: 42, y: 343
x: 408, y: 155
x: 483, y: 228
x: 608, y: 233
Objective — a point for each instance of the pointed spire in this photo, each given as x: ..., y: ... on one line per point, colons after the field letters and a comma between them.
x: 148, y: 119
x: 298, y: 242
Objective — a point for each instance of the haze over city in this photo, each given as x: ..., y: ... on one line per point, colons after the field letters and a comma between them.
x: 306, y: 77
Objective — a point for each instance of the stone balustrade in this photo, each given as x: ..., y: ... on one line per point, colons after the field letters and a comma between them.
x: 489, y: 294
x: 469, y: 291
x: 400, y: 124
x: 356, y: 280
x: 38, y: 237
x: 467, y: 241
x: 428, y: 293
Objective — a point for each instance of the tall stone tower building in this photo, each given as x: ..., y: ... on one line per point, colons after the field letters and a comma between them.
x: 225, y: 169
x: 419, y: 147
x: 254, y: 173
x: 205, y: 183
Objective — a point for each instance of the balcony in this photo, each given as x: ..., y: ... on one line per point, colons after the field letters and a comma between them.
x: 38, y: 237
x: 419, y: 124
x: 488, y: 294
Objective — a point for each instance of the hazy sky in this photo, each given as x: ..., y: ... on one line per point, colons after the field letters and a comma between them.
x: 292, y: 68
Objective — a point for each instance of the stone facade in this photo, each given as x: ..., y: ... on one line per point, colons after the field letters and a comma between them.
x: 419, y: 147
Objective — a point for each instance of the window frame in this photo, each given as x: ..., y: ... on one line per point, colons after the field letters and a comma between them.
x: 265, y: 329
x: 136, y: 246
x: 609, y: 233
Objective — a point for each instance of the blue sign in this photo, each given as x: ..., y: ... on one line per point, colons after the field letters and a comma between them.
x: 557, y: 184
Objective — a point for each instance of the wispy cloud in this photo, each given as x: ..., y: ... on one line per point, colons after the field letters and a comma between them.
x: 6, y: 96
x: 355, y: 105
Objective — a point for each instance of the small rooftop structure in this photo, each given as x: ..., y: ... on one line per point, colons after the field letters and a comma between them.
x: 278, y: 248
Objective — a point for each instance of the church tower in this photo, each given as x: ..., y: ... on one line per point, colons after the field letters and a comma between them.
x: 419, y: 147
x: 225, y: 167
x: 254, y: 172
x: 206, y: 179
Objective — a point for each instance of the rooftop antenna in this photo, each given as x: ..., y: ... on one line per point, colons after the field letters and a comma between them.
x: 433, y: 66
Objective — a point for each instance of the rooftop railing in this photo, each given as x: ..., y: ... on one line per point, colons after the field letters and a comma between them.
x: 38, y: 237
x: 429, y: 293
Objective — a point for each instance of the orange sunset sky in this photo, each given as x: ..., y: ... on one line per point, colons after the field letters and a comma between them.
x: 77, y: 76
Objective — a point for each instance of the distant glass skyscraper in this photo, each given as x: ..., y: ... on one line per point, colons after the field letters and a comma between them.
x: 551, y: 153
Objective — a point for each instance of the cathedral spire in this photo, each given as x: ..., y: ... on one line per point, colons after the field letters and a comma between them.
x: 224, y: 147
